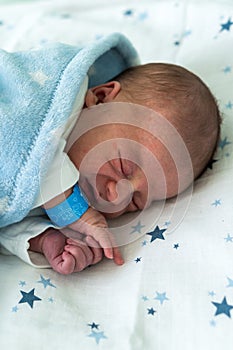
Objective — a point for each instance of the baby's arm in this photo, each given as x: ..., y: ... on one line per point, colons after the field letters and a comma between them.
x: 70, y: 209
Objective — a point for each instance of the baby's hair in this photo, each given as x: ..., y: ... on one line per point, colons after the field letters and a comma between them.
x: 184, y: 99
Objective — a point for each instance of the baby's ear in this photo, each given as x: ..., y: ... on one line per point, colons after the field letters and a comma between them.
x: 102, y: 93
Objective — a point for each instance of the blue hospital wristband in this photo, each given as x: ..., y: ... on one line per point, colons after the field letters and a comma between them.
x: 70, y: 210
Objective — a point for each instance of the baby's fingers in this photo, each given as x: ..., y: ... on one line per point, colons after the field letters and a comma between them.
x: 118, y: 259
x: 107, y: 242
x: 96, y: 249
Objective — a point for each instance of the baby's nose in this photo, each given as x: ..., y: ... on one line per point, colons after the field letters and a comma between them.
x: 119, y: 192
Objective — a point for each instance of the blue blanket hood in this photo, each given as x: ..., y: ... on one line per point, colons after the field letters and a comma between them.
x: 37, y: 92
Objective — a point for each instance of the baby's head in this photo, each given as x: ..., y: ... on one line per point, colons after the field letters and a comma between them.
x: 105, y: 159
x: 183, y: 99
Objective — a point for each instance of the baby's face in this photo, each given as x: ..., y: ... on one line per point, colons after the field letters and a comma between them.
x: 123, y: 168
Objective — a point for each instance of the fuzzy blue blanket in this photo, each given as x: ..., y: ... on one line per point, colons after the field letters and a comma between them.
x: 37, y: 92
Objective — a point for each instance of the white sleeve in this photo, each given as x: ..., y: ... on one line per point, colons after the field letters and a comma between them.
x: 61, y: 176
x: 14, y: 239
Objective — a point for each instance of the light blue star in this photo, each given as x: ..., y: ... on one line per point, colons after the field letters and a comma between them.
x: 29, y: 297
x: 227, y: 25
x: 161, y: 297
x: 138, y: 227
x: 142, y: 16
x: 230, y: 281
x: 229, y: 105
x: 144, y: 243
x: 167, y: 223
x: 15, y: 309
x: 46, y: 282
x: 156, y: 233
x: 187, y: 33
x: 151, y: 311
x: 22, y: 283
x: 216, y: 203
x: 223, y: 308
x: 228, y: 238
x: 50, y: 300
x: 227, y: 69
x: 97, y: 335
x: 145, y: 298
x: 223, y: 143
x: 212, y: 294
x: 212, y: 323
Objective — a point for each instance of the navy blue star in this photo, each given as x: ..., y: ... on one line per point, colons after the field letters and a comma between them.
x: 157, y: 233
x: 29, y: 297
x: 138, y: 260
x: 151, y: 311
x: 211, y: 162
x: 223, y: 143
x: 223, y: 308
x: 128, y: 12
x: 176, y: 246
x: 93, y: 325
x: 227, y: 25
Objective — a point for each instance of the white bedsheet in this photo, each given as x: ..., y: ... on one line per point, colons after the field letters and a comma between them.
x: 172, y: 293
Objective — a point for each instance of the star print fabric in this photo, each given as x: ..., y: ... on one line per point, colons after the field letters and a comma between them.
x: 175, y: 290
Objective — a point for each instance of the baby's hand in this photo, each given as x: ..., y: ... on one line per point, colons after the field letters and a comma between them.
x: 66, y: 255
x: 93, y: 224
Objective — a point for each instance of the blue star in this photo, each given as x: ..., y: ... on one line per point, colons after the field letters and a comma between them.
x: 216, y: 203
x: 176, y: 246
x: 15, y: 309
x: 227, y: 25
x: 128, y: 12
x: 97, y: 335
x: 228, y: 238
x: 227, y: 69
x: 212, y: 323
x: 157, y: 233
x: 138, y: 260
x: 230, y: 281
x: 211, y: 162
x: 223, y: 143
x: 93, y: 325
x: 29, y: 297
x: 229, y: 105
x: 187, y: 33
x: 22, y: 283
x: 151, y: 311
x: 138, y: 227
x: 142, y: 16
x: 161, y: 297
x: 167, y: 223
x: 45, y: 282
x: 223, y: 308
